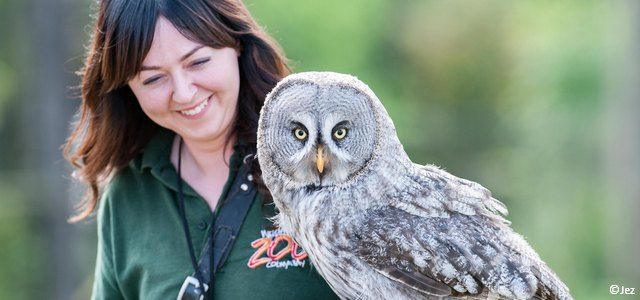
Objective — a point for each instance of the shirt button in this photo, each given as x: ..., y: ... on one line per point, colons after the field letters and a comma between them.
x: 203, y: 225
x: 250, y: 177
x: 244, y: 187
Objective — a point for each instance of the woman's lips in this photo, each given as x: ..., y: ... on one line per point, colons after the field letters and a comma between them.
x: 197, y: 111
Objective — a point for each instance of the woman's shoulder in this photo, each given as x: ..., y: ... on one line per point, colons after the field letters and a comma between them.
x: 122, y: 193
x: 124, y: 181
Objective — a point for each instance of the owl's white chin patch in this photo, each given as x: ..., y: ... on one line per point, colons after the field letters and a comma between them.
x: 311, y: 179
x: 330, y: 177
x: 340, y: 174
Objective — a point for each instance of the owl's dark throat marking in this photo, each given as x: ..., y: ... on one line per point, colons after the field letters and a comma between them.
x: 312, y: 188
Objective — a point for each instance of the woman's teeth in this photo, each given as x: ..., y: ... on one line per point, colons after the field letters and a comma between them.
x: 196, y: 109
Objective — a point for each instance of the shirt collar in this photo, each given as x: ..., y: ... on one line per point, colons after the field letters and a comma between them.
x: 156, y: 153
x: 155, y: 158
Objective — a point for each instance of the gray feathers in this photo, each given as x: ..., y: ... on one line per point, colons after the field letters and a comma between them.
x: 375, y: 225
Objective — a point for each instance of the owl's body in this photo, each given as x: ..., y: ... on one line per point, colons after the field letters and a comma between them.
x: 375, y: 225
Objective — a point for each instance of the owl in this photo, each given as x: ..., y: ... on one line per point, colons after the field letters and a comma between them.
x: 374, y: 224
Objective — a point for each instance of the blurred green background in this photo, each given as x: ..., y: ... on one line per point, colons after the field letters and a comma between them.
x: 536, y: 100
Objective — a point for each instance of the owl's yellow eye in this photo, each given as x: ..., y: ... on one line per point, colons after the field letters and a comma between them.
x: 340, y: 133
x: 300, y: 133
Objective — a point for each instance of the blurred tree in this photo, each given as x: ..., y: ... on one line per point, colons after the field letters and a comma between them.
x: 39, y: 259
x: 622, y: 148
x: 48, y: 103
x: 20, y: 249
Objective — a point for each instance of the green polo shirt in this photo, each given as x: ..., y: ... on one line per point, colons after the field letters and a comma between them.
x: 142, y: 252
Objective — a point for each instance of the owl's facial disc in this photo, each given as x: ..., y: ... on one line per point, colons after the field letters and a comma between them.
x: 321, y: 136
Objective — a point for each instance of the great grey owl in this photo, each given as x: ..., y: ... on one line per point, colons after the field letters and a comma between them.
x: 376, y: 225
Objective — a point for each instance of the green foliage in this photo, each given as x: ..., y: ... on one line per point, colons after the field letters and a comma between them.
x: 7, y: 78
x: 323, y: 35
x: 21, y: 251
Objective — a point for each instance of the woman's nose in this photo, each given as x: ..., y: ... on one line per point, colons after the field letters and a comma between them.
x: 184, y: 89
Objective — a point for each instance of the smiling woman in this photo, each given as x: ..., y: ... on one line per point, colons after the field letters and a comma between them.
x: 171, y: 92
x: 187, y: 87
x: 192, y: 90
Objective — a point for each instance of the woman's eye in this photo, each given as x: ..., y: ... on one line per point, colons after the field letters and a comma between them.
x: 300, y: 133
x: 200, y: 62
x: 340, y: 133
x: 151, y: 80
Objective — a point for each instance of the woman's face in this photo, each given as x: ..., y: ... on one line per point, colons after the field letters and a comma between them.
x: 187, y: 87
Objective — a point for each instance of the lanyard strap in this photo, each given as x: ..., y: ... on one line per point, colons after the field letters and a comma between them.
x: 226, y: 225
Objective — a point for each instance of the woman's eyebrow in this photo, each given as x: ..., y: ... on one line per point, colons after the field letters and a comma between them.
x: 146, y: 68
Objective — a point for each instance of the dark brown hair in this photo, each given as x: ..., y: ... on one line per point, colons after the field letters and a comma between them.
x: 112, y: 128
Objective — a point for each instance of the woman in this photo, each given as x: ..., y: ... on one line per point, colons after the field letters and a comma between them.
x: 171, y: 92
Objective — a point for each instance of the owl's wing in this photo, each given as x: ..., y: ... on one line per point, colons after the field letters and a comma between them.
x: 451, y: 238
x: 460, y: 256
x: 432, y: 192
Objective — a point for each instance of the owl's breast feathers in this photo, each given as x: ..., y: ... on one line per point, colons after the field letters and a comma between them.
x: 445, y: 236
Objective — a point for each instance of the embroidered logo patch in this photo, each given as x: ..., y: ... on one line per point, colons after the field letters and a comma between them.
x: 276, y: 249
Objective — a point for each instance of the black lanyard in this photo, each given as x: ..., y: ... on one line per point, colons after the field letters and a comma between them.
x: 185, y: 226
x: 225, y: 227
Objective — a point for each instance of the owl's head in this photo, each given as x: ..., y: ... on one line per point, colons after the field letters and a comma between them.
x: 320, y: 129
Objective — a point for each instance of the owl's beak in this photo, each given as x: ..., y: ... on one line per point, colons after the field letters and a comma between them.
x: 320, y: 158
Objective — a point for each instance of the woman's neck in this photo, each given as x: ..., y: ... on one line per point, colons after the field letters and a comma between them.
x: 203, y: 158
